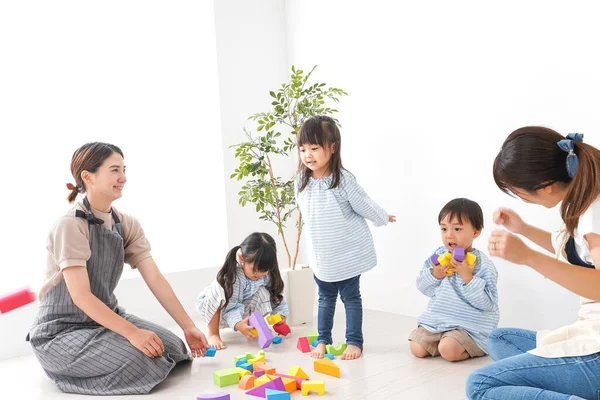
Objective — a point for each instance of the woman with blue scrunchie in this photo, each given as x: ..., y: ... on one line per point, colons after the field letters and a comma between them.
x: 542, y: 167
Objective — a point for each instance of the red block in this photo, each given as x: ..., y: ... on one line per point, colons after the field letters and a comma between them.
x: 303, y: 345
x: 15, y: 300
x: 282, y: 329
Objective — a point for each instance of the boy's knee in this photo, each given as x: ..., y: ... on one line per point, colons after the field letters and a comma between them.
x: 417, y: 350
x: 451, y: 349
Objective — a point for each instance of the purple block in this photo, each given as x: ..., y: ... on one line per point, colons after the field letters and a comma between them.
x: 265, y: 336
x: 258, y: 373
x: 459, y: 254
x: 214, y: 396
x: 434, y: 259
x: 276, y: 384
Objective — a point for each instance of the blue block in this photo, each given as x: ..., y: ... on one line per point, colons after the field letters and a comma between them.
x: 272, y: 394
x: 277, y: 340
x: 247, y: 366
x: 210, y: 352
x: 315, y: 343
x: 240, y: 362
x: 330, y: 356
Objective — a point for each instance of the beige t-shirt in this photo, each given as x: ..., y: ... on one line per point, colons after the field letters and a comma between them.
x: 582, y: 337
x: 68, y: 243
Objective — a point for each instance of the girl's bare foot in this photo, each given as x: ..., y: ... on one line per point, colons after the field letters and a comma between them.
x: 351, y: 353
x: 319, y: 351
x: 216, y: 342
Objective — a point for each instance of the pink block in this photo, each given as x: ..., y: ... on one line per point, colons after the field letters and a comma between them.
x: 303, y: 345
x: 265, y: 336
x: 16, y: 299
x: 276, y: 384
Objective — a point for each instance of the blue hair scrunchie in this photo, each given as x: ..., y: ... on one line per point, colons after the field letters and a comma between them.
x: 566, y: 145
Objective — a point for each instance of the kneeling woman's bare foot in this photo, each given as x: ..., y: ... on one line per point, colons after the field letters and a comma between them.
x: 351, y: 353
x: 216, y: 342
x: 319, y: 351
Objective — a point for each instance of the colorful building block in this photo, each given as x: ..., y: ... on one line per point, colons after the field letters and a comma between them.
x: 15, y: 300
x: 238, y: 358
x: 261, y: 380
x: 317, y: 386
x: 459, y: 254
x: 303, y: 345
x: 265, y: 336
x: 276, y: 384
x: 327, y: 367
x: 298, y: 380
x: 290, y: 384
x: 254, y: 332
x: 261, y: 366
x: 242, y: 372
x: 337, y: 350
x: 226, y: 377
x: 282, y: 329
x: 434, y: 259
x: 210, y: 352
x: 277, y: 340
x: 312, y: 336
x: 241, y: 361
x: 247, y: 366
x: 273, y: 394
x: 314, y: 343
x: 258, y: 373
x: 330, y: 356
x: 214, y: 396
x: 257, y: 359
x: 247, y: 382
x: 471, y: 259
x: 296, y: 371
x: 274, y: 319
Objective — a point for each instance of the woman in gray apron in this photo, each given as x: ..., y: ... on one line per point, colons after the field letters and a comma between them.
x: 84, y: 340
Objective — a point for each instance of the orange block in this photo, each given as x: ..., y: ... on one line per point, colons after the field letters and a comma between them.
x: 261, y: 366
x: 290, y: 384
x: 328, y: 367
x: 247, y: 382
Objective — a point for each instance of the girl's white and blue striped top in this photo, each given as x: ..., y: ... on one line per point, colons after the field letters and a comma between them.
x: 340, y: 242
x: 472, y: 307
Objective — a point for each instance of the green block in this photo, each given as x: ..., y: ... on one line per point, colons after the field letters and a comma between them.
x: 226, y: 377
x: 312, y: 337
x: 337, y: 350
x: 238, y: 358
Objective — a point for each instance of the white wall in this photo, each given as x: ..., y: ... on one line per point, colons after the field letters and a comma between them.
x: 435, y: 87
x: 139, y: 74
x: 252, y: 58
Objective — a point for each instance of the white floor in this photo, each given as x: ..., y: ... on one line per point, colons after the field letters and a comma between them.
x: 386, y: 370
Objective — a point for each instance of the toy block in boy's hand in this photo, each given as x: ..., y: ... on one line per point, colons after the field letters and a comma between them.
x: 282, y: 329
x: 265, y: 336
x: 327, y: 367
x: 317, y: 386
x: 214, y: 396
x: 303, y: 345
x: 15, y: 300
x: 458, y: 254
x: 274, y: 319
x: 434, y: 259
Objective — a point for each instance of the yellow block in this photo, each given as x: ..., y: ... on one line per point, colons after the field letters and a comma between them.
x: 243, y: 372
x: 327, y: 367
x: 257, y: 359
x: 297, y: 372
x: 262, y: 380
x: 317, y: 386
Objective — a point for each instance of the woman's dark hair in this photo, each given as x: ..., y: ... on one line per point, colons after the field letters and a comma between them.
x: 323, y: 131
x: 463, y: 209
x: 88, y: 157
x: 259, y: 248
x: 530, y: 159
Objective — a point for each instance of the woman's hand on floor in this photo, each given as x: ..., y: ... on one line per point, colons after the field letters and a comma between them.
x: 196, y: 341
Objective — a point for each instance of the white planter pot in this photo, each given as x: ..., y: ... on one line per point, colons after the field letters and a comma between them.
x: 299, y: 293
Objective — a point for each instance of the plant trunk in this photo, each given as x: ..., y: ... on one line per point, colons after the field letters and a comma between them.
x: 278, y: 209
x: 299, y: 232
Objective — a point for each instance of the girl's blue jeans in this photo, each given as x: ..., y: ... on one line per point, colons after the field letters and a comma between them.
x: 518, y: 375
x: 349, y: 291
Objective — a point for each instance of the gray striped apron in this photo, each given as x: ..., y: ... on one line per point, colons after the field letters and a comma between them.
x: 80, y: 355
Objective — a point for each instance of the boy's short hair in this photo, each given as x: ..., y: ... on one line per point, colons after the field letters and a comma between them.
x: 463, y: 209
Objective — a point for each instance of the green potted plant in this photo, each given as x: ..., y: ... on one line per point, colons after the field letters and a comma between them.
x: 272, y: 193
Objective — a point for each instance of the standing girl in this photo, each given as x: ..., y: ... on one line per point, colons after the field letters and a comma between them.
x: 334, y: 208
